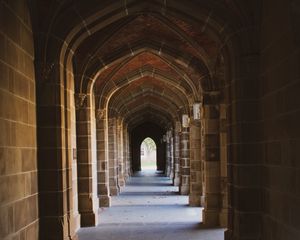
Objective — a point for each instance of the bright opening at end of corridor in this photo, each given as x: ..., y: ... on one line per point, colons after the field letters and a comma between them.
x: 148, y: 154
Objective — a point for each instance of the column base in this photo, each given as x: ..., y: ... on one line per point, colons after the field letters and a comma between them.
x: 121, y: 183
x: 104, y: 201
x: 228, y: 235
x: 176, y: 181
x: 75, y: 237
x: 210, y: 218
x: 184, y: 189
x: 194, y: 200
x: 88, y: 219
x: 224, y: 218
x: 114, y: 191
x: 75, y: 222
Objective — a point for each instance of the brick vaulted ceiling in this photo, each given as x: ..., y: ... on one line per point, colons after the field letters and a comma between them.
x: 140, y: 56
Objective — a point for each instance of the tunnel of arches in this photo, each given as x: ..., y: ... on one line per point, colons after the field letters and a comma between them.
x: 80, y: 80
x: 138, y: 135
x: 124, y: 72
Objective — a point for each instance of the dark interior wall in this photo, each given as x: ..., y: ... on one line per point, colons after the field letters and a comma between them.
x: 18, y: 156
x: 280, y: 75
x: 141, y: 132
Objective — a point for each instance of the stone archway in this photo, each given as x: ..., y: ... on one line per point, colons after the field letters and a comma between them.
x: 196, y: 75
x: 138, y: 134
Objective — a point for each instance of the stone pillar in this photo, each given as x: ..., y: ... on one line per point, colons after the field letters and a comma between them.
x: 176, y: 178
x: 102, y: 160
x: 184, y: 187
x: 129, y: 154
x: 211, y: 162
x: 112, y: 156
x: 55, y: 167
x: 171, y: 155
x: 223, y: 166
x: 168, y: 154
x: 120, y: 155
x: 88, y: 203
x: 195, y: 159
x: 71, y: 144
x: 246, y: 155
x: 125, y: 153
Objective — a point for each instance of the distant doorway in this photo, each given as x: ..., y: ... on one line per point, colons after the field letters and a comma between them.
x: 148, y: 154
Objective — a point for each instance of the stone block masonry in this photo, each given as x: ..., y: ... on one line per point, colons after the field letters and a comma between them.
x: 18, y: 147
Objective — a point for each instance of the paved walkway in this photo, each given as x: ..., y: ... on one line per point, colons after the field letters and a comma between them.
x: 149, y: 208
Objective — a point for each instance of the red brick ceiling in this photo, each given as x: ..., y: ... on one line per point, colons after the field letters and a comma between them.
x: 153, y: 36
x: 181, y: 38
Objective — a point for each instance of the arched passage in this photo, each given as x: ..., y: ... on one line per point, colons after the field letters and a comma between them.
x: 148, y: 154
x: 138, y: 134
x: 80, y: 48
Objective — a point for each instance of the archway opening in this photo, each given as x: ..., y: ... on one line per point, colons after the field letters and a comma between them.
x: 148, y: 154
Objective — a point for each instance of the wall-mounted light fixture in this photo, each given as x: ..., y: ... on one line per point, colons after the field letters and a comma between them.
x: 196, y: 111
x: 185, y: 120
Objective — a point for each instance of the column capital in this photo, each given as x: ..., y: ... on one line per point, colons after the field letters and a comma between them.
x: 100, y: 114
x: 79, y: 100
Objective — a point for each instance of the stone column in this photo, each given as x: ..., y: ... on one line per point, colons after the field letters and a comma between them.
x: 102, y: 160
x: 184, y: 186
x: 129, y: 154
x: 171, y: 155
x: 223, y: 166
x: 176, y: 178
x: 125, y: 153
x: 246, y: 155
x: 71, y: 144
x: 112, y: 156
x: 86, y: 155
x: 55, y: 158
x: 168, y: 155
x: 211, y: 162
x: 195, y: 159
x: 120, y: 155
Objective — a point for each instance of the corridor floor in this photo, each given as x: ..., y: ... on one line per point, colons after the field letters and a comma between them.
x: 149, y: 208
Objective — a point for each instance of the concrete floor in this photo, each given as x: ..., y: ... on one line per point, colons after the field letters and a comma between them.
x: 149, y: 208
